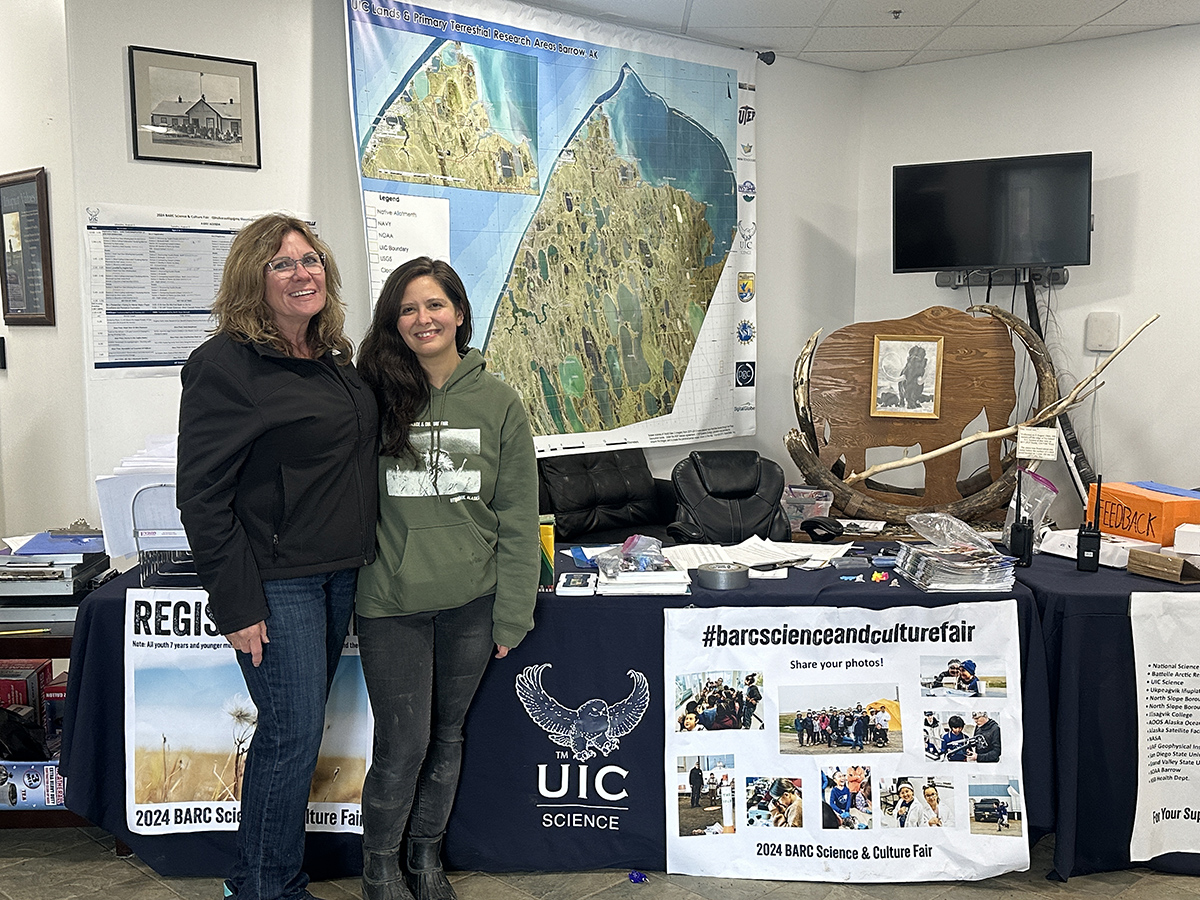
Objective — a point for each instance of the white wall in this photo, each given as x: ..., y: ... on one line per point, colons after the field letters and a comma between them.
x: 826, y: 143
x: 42, y: 423
x: 1131, y: 100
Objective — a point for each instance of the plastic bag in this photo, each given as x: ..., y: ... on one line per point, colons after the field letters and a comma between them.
x: 944, y: 530
x: 638, y: 554
x: 1037, y: 495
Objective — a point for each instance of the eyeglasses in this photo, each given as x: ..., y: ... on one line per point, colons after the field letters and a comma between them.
x: 285, y: 265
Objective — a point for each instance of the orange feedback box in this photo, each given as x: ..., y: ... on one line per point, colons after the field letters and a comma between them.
x: 1141, y: 513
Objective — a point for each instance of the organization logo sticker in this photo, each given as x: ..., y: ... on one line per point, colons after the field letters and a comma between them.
x: 595, y: 727
x: 746, y: 235
x: 745, y: 114
x: 746, y: 189
x: 744, y: 374
x: 745, y: 332
x: 745, y: 286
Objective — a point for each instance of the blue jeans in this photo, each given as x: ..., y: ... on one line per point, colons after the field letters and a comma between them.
x: 306, y: 628
x: 422, y: 671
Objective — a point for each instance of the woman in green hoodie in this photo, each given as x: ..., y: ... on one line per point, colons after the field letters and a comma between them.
x: 456, y: 570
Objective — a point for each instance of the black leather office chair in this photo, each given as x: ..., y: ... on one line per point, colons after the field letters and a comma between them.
x: 725, y: 496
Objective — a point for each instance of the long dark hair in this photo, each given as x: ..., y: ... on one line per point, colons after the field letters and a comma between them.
x: 390, y: 367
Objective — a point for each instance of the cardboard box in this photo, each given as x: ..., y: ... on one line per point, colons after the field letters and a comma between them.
x: 1142, y: 514
x: 1176, y: 569
x: 54, y: 701
x: 23, y: 681
x: 1114, y: 549
x: 1187, y: 540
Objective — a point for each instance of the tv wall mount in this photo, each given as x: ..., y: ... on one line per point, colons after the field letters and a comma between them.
x: 1053, y: 276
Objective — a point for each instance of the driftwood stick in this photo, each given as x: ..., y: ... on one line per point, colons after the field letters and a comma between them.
x: 1073, y: 397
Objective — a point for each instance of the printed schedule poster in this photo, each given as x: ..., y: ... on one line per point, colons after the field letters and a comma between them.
x: 152, y: 277
x: 189, y: 724
x: 595, y: 188
x: 1166, y: 656
x: 855, y: 745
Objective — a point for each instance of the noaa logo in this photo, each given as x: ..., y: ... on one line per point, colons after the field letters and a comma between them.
x: 745, y: 114
x: 745, y: 286
x: 744, y: 374
x: 745, y: 332
x: 595, y: 727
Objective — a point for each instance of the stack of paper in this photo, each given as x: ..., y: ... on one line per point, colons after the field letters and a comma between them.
x: 955, y: 568
x: 665, y: 579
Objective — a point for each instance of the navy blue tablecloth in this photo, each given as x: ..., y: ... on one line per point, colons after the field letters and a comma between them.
x: 504, y: 818
x: 1093, y: 696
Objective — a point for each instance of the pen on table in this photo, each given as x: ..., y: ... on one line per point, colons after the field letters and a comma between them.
x: 25, y: 631
x: 782, y: 564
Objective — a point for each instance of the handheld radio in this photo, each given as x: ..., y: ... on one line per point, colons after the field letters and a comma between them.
x: 1087, y: 548
x: 1020, y: 536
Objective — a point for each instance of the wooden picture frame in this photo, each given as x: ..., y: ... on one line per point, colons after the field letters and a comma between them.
x: 906, y: 376
x: 191, y: 108
x: 26, y: 273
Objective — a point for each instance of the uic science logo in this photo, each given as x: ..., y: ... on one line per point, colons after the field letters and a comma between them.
x: 594, y: 728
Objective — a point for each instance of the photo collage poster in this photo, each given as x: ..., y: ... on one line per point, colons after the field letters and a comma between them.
x: 853, y: 744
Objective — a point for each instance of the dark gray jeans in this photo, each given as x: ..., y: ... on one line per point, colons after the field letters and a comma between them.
x: 422, y: 671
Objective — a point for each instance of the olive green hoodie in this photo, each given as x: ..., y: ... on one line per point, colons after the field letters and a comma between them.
x: 460, y: 521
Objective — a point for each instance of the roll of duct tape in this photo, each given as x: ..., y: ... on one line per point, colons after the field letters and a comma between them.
x: 722, y: 576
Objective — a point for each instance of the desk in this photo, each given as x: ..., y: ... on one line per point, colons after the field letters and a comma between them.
x: 1093, y: 694
x: 591, y: 643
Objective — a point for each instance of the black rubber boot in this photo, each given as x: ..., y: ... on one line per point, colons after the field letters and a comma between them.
x: 426, y: 877
x: 382, y: 878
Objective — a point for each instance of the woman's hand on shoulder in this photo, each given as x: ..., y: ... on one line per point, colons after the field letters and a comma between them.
x: 501, y: 651
x: 250, y: 640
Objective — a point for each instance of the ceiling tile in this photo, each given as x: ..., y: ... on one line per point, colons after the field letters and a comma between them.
x: 1153, y: 12
x: 781, y: 40
x: 1036, y: 12
x: 879, y: 12
x: 867, y: 61
x: 756, y: 13
x: 896, y: 37
x: 981, y: 37
x: 1089, y: 32
x: 659, y: 15
x: 928, y: 56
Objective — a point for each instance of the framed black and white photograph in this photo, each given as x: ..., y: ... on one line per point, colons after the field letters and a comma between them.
x: 192, y: 108
x: 906, y: 376
x: 26, y: 276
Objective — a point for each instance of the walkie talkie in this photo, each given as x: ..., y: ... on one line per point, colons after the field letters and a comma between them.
x: 1020, y: 536
x: 1087, y: 548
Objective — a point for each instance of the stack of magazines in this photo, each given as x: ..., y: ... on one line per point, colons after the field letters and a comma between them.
x: 662, y: 578
x: 961, y: 567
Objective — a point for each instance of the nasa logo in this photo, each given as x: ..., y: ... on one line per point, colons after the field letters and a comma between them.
x: 745, y: 374
x: 745, y: 286
x: 745, y: 114
x: 745, y: 332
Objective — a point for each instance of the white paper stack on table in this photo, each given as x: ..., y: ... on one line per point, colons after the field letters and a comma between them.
x: 955, y: 568
x: 662, y: 580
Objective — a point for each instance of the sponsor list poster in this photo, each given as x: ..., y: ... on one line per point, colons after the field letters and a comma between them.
x: 846, y: 744
x: 1166, y: 650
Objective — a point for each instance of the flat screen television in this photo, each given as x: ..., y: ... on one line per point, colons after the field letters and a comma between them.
x: 1015, y: 212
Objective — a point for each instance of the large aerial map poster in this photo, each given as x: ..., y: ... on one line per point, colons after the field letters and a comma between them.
x: 593, y: 186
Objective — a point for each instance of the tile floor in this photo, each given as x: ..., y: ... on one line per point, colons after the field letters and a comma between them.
x: 67, y: 863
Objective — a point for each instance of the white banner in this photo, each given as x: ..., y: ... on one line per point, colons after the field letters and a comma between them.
x: 841, y: 731
x: 189, y: 723
x: 1166, y: 657
x: 595, y: 188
